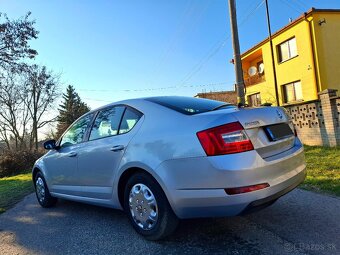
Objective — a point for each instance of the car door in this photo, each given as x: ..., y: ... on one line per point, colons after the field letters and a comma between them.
x: 61, y: 164
x: 106, y: 144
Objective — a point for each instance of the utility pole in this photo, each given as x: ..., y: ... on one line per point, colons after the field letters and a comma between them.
x: 237, y: 55
x: 272, y: 54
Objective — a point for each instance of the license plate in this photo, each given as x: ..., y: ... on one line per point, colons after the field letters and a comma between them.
x: 278, y: 131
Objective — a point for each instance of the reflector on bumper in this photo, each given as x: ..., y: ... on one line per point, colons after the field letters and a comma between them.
x: 239, y: 190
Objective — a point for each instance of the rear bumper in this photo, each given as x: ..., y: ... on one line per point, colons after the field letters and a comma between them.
x: 195, y: 186
x: 267, y: 201
x: 216, y: 203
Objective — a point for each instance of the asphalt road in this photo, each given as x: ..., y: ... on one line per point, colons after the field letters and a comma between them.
x: 301, y: 222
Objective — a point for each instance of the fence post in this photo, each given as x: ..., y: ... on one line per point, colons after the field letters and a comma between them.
x: 329, y: 110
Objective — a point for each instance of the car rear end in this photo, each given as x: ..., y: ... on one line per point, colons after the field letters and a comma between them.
x: 251, y: 157
x: 268, y: 159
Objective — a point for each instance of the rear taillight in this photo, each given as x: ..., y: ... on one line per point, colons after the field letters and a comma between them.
x: 225, y: 139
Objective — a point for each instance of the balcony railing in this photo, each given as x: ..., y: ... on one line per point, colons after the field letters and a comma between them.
x: 252, y: 80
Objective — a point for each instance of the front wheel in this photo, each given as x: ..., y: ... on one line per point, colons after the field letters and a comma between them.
x: 148, y: 208
x: 43, y: 194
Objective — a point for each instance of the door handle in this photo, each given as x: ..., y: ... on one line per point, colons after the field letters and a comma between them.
x: 117, y: 148
x: 72, y: 154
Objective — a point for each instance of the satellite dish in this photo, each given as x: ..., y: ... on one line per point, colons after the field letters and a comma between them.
x: 261, y: 68
x: 252, y: 70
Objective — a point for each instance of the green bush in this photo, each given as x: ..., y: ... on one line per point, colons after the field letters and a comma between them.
x: 15, y: 162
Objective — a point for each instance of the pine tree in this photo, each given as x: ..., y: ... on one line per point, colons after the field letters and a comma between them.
x: 70, y: 109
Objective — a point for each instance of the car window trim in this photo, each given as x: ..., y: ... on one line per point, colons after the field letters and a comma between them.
x: 121, y: 119
x: 134, y: 110
x: 120, y: 122
x: 84, y: 138
x: 101, y: 110
x: 88, y: 132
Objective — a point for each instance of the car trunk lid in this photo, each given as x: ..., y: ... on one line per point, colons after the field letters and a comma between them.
x: 259, y: 124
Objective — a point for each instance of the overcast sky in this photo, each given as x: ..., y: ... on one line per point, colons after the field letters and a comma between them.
x: 114, y: 50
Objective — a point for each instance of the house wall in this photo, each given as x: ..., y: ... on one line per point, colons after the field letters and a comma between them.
x: 316, y: 66
x: 299, y: 68
x: 327, y: 47
x: 266, y: 89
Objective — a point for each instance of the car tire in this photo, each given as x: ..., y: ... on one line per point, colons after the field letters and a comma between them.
x: 43, y: 194
x: 142, y: 187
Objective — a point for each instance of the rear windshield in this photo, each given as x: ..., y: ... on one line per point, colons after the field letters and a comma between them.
x: 188, y: 105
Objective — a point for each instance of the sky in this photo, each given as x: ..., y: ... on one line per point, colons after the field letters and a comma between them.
x: 121, y: 49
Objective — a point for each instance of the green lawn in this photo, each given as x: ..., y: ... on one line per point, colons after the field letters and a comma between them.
x: 323, y: 170
x: 13, y: 189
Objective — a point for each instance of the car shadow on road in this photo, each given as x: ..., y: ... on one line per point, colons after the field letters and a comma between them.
x: 75, y: 228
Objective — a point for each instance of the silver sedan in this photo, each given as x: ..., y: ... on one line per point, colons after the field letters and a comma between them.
x: 162, y: 159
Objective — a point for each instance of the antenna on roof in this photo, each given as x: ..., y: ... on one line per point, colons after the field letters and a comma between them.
x: 290, y: 20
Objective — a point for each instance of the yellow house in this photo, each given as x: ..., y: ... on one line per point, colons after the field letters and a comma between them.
x: 306, y: 56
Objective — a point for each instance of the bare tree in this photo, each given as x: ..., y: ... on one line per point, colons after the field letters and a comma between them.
x: 14, y: 47
x: 14, y: 116
x: 14, y: 38
x: 40, y: 91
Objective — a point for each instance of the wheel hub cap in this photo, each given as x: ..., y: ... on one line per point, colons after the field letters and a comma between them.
x: 143, y: 206
x: 40, y: 188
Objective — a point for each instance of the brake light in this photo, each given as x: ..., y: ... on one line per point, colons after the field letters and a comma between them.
x: 225, y: 139
x: 246, y: 189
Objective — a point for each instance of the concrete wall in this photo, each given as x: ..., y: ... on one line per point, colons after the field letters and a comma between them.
x: 317, y: 122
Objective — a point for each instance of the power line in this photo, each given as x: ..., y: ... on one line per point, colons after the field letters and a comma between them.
x: 157, y: 89
x: 290, y: 5
x: 216, y: 48
x: 152, y: 89
x: 301, y: 3
x: 173, y: 40
x: 180, y: 32
x: 251, y: 12
x: 99, y: 100
x: 213, y: 51
x: 203, y: 61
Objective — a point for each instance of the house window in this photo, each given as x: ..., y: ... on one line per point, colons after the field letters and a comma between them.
x: 287, y: 50
x: 254, y: 99
x: 292, y: 92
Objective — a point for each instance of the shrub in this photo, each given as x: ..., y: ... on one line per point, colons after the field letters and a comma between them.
x: 15, y: 162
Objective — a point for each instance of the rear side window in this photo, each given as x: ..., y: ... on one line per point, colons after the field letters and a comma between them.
x: 107, y: 123
x: 187, y: 105
x: 129, y: 120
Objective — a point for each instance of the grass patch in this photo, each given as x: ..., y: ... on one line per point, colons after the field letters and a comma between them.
x: 13, y: 189
x: 323, y: 169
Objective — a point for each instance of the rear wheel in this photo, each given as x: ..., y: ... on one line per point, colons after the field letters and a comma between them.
x: 43, y: 194
x: 148, y: 208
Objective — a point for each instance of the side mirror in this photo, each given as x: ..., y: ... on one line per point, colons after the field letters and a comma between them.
x: 50, y: 145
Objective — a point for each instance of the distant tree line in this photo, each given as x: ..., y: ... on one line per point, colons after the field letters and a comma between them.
x: 28, y: 92
x: 28, y: 96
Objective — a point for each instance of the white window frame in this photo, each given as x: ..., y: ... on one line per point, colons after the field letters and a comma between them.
x: 297, y: 89
x: 291, y: 47
x: 258, y: 99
